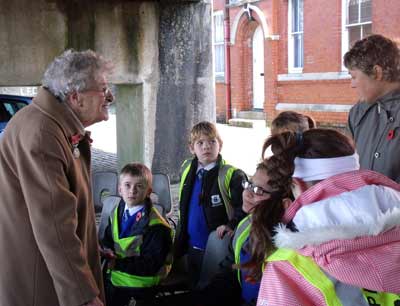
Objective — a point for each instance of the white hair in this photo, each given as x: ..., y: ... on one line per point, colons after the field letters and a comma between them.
x: 74, y: 71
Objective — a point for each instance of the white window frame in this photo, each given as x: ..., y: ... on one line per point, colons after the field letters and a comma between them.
x: 219, y: 74
x: 291, y: 50
x: 345, y: 31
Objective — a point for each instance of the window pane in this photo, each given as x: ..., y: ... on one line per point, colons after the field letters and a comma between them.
x: 295, y: 16
x: 353, y: 11
x: 354, y: 35
x: 301, y: 15
x: 366, y: 11
x: 298, y: 50
x: 219, y: 59
x: 219, y: 44
x: 219, y: 28
x: 366, y: 30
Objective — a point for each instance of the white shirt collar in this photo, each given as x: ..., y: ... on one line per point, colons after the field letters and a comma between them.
x: 133, y: 210
x: 207, y: 168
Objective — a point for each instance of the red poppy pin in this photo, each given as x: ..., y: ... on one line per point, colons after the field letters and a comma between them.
x: 75, y: 139
x: 138, y: 216
x: 390, y: 135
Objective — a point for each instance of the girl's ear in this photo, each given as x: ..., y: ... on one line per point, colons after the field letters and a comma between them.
x: 286, y: 202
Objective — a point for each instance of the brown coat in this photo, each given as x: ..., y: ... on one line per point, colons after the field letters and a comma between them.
x: 48, y: 241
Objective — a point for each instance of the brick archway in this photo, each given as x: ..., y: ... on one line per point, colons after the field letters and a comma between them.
x: 242, y: 65
x: 255, y: 13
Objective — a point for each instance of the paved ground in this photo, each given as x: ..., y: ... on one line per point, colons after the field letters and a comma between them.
x: 241, y: 148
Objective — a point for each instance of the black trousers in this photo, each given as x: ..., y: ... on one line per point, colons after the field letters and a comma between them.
x: 195, y: 262
x: 116, y: 296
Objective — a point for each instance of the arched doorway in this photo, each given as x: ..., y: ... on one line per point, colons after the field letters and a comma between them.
x: 258, y: 69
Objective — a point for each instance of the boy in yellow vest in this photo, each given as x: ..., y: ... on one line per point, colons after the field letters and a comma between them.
x: 210, y: 196
x: 139, y: 239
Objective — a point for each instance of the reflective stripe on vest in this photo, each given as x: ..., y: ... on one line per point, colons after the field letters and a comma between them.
x: 241, y: 234
x: 335, y: 293
x: 121, y: 279
x: 310, y: 271
x: 224, y: 179
x: 225, y: 173
x: 124, y: 247
x: 130, y: 246
x: 375, y: 298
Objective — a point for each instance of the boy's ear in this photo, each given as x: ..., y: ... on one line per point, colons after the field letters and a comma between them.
x: 119, y: 190
x: 191, y: 148
x: 286, y: 202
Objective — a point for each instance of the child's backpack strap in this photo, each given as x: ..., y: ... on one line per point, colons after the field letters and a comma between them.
x: 224, y: 179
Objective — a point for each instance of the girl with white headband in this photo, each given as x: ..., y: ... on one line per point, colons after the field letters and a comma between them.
x: 338, y: 242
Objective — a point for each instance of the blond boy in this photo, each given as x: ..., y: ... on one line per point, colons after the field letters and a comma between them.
x: 204, y: 206
x: 139, y: 238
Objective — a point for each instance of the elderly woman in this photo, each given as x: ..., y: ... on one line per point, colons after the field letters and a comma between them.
x: 374, y: 66
x: 48, y: 240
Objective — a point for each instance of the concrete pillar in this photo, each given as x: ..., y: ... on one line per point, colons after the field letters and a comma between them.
x: 127, y: 33
x: 32, y: 33
x: 162, y: 51
x: 130, y: 123
x: 186, y: 88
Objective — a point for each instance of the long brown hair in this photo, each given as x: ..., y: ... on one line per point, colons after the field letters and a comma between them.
x: 291, y: 121
x: 313, y: 143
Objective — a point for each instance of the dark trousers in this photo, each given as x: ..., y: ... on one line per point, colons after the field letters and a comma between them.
x: 195, y: 261
x: 116, y: 296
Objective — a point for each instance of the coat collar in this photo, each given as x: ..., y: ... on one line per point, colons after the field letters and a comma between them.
x: 60, y: 112
x: 386, y: 102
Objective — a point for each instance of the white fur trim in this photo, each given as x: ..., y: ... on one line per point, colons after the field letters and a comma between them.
x: 340, y: 219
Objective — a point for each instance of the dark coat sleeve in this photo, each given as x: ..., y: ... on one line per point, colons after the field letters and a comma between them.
x: 154, y: 250
x: 236, y: 190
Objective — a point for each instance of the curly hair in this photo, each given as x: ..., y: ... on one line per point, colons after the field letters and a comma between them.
x: 74, y: 71
x: 375, y: 50
x: 313, y: 143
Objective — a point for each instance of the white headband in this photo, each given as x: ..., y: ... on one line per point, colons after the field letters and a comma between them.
x: 314, y: 169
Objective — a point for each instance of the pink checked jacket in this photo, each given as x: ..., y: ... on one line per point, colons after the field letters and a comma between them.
x: 350, y: 225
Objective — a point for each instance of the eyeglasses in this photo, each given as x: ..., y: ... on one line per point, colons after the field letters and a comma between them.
x: 254, y: 189
x: 104, y: 91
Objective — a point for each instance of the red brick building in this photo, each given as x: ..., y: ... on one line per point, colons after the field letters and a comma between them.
x: 287, y: 54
